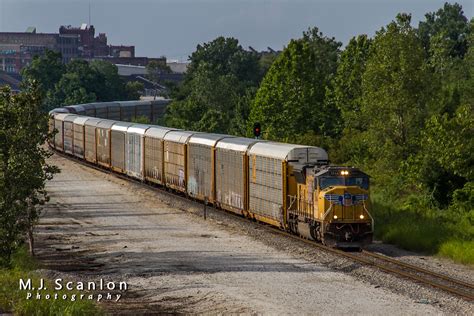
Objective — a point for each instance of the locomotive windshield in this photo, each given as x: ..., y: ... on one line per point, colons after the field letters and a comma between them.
x: 362, y: 182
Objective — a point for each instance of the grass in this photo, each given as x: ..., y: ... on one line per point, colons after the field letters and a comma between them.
x: 13, y: 300
x: 458, y: 250
x: 435, y: 232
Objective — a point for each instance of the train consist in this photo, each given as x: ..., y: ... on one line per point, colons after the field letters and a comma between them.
x: 288, y: 186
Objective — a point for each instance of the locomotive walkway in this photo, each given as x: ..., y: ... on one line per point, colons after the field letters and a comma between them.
x: 97, y: 225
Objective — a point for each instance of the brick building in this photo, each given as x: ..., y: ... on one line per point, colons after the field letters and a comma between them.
x: 17, y: 49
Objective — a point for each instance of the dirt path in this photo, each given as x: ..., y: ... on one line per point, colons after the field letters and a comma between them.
x: 97, y: 225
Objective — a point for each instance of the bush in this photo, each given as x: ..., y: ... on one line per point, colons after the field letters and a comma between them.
x: 14, y: 300
x: 458, y: 250
x: 419, y: 227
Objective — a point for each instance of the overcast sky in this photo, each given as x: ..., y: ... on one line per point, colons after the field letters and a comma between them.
x: 174, y: 28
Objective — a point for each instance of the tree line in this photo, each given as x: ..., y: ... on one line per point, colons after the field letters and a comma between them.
x: 78, y: 81
x: 399, y: 105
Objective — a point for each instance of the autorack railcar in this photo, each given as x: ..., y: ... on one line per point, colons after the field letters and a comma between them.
x: 103, y: 131
x: 134, y: 150
x: 154, y: 154
x: 68, y: 133
x: 175, y: 153
x: 90, y: 139
x: 118, y: 140
x: 201, y: 165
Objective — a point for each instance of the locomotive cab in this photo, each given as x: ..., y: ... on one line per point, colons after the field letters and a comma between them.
x: 331, y: 205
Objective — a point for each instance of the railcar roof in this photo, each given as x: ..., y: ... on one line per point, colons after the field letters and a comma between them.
x: 207, y: 139
x: 106, y: 123
x: 61, y: 116
x: 282, y: 151
x: 70, y: 118
x: 121, y: 126
x: 179, y: 136
x: 81, y: 120
x: 240, y: 144
x: 92, y: 121
x: 138, y: 129
x: 158, y: 131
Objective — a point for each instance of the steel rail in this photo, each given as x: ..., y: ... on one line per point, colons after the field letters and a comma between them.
x: 357, y: 258
x: 418, y: 269
x: 466, y: 295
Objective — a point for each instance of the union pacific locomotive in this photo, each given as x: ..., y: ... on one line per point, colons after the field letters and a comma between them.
x: 288, y: 186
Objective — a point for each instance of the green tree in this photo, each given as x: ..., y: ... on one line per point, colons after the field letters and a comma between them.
x: 291, y: 97
x: 47, y: 70
x: 71, y: 90
x: 447, y: 29
x: 347, y: 83
x: 443, y: 165
x: 217, y: 89
x: 24, y: 170
x: 155, y: 68
x: 395, y: 93
x: 113, y: 86
x: 225, y: 56
x: 133, y: 90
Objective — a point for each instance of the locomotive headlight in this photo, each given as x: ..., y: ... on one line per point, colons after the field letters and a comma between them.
x: 361, y: 216
x: 335, y: 216
x: 344, y: 172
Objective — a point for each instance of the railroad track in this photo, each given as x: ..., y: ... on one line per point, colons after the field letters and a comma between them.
x: 387, y: 264
x: 399, y: 268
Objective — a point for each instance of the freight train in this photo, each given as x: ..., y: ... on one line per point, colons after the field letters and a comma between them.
x: 292, y: 187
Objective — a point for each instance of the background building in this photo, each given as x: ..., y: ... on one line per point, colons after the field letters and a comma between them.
x: 17, y: 49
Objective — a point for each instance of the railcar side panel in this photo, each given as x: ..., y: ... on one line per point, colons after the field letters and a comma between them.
x: 101, y: 110
x: 200, y: 171
x: 90, y: 145
x: 58, y: 137
x: 143, y: 108
x: 231, y: 173
x: 154, y: 154
x: 134, y: 150
x: 175, y: 154
x: 158, y: 108
x: 265, y: 187
x: 127, y: 110
x: 68, y: 128
x: 117, y: 135
x: 200, y: 166
x: 79, y: 139
x: 113, y: 111
x: 103, y: 142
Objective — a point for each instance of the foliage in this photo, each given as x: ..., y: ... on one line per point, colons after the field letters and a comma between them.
x: 291, y: 97
x: 141, y: 120
x: 445, y: 29
x: 133, y: 90
x: 23, y: 167
x: 395, y: 92
x: 79, y: 81
x: 155, y: 68
x: 47, y: 70
x: 347, y: 83
x: 13, y: 300
x: 215, y: 96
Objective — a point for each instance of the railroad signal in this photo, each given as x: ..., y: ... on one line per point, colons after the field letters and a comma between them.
x: 257, y: 130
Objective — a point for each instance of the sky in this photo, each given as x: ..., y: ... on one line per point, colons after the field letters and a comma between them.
x: 175, y: 28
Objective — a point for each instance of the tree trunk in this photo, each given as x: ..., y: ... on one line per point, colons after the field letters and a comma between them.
x: 31, y: 241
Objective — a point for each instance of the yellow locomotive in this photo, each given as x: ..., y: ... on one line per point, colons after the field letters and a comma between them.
x: 331, y: 206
